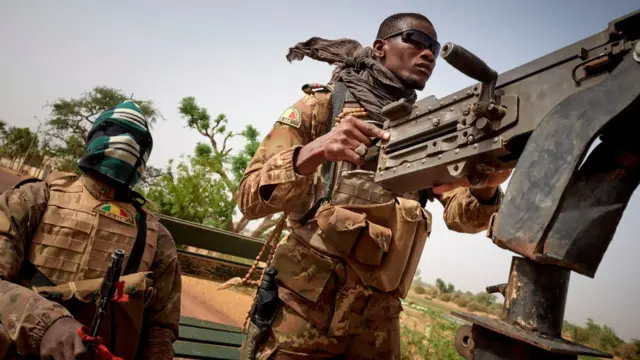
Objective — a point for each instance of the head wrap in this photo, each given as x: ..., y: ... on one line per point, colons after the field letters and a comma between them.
x: 373, y: 85
x: 118, y: 145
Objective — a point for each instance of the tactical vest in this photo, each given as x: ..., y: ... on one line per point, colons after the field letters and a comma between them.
x: 72, y: 247
x: 378, y: 233
x: 78, y: 233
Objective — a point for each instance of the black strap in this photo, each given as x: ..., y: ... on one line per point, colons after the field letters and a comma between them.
x: 34, y: 276
x: 328, y: 168
x: 426, y: 195
x: 141, y: 238
x: 26, y: 181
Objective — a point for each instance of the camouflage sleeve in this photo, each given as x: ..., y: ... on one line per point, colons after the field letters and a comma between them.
x: 163, y: 313
x: 465, y: 213
x: 270, y: 183
x: 25, y: 315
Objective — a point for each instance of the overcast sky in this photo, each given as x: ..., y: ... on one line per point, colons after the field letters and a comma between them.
x: 232, y: 59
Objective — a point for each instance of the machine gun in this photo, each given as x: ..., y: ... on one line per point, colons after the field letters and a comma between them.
x: 563, y: 204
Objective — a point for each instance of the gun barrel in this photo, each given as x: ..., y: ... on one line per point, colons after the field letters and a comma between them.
x: 467, y: 63
x: 108, y: 288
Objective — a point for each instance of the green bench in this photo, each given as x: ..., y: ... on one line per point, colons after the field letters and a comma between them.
x: 201, y: 339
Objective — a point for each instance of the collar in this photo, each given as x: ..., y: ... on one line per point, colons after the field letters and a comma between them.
x: 99, y: 190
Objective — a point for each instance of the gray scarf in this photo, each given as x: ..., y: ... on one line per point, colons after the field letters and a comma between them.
x: 357, y: 67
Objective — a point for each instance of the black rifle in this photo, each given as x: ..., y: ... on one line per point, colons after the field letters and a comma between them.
x: 107, y: 290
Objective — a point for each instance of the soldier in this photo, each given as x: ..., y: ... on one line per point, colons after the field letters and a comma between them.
x: 353, y: 247
x: 56, y: 238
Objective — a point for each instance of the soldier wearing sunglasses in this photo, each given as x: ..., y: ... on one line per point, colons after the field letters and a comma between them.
x: 353, y: 247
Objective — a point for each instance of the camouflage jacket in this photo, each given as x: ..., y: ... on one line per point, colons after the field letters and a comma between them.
x: 271, y: 185
x: 26, y: 315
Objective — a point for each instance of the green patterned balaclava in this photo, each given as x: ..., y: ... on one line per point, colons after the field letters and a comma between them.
x: 118, y: 145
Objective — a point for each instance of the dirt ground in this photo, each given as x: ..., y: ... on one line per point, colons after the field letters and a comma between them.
x: 200, y: 298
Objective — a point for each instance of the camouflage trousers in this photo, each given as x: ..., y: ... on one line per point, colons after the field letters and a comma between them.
x: 327, y: 313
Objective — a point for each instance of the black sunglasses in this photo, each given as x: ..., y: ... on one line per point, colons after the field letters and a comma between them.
x: 418, y: 39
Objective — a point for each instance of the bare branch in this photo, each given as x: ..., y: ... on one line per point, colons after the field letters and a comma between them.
x: 240, y: 225
x: 267, y: 223
x: 224, y: 143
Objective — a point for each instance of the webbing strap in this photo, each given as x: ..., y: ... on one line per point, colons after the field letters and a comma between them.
x: 328, y: 168
x: 141, y: 238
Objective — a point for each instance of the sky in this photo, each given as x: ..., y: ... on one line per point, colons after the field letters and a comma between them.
x: 231, y: 58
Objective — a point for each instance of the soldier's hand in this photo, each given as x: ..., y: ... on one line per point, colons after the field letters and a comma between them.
x: 493, y: 180
x: 61, y: 342
x: 345, y: 142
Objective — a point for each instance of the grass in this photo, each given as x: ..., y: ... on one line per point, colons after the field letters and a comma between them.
x: 426, y: 333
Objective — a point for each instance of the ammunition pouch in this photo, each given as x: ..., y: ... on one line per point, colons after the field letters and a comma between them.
x: 122, y: 326
x: 382, y: 243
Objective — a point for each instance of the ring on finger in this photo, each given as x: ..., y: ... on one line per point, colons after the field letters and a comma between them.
x: 361, y: 150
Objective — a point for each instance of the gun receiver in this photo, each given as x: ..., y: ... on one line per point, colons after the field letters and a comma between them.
x: 108, y: 289
x: 486, y: 126
x: 563, y: 203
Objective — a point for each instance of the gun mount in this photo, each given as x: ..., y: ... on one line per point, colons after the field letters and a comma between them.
x: 563, y: 203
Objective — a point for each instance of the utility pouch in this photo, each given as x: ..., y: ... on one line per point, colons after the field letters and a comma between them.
x: 382, y: 243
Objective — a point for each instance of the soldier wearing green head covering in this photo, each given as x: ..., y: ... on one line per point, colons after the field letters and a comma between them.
x: 56, y: 239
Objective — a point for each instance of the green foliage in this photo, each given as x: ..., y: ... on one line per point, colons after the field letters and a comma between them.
x: 461, y: 301
x: 240, y: 161
x: 190, y: 193
x: 3, y: 132
x: 446, y: 297
x: 450, y: 288
x: 432, y: 292
x: 203, y: 187
x: 17, y: 141
x: 474, y: 306
x: 420, y: 290
x: 71, y: 119
x: 601, y: 337
x: 434, y: 341
x: 441, y: 285
x: 628, y: 351
x: 485, y: 298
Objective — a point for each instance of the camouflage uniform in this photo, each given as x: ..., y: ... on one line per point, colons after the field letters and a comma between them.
x: 56, y: 226
x: 327, y: 311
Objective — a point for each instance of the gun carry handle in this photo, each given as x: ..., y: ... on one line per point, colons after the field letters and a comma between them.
x: 467, y: 63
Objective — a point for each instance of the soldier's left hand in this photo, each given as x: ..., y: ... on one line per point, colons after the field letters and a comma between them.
x: 494, y: 179
x: 61, y: 342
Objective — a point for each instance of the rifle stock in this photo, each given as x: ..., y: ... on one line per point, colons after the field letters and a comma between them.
x: 486, y: 126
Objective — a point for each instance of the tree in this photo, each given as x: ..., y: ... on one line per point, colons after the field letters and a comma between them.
x: 213, y: 171
x: 450, y: 288
x: 71, y: 119
x: 485, y: 298
x: 16, y: 143
x: 441, y: 286
x: 3, y: 131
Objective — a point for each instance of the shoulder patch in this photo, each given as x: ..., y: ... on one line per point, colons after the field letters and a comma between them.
x: 115, y: 212
x: 291, y: 117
